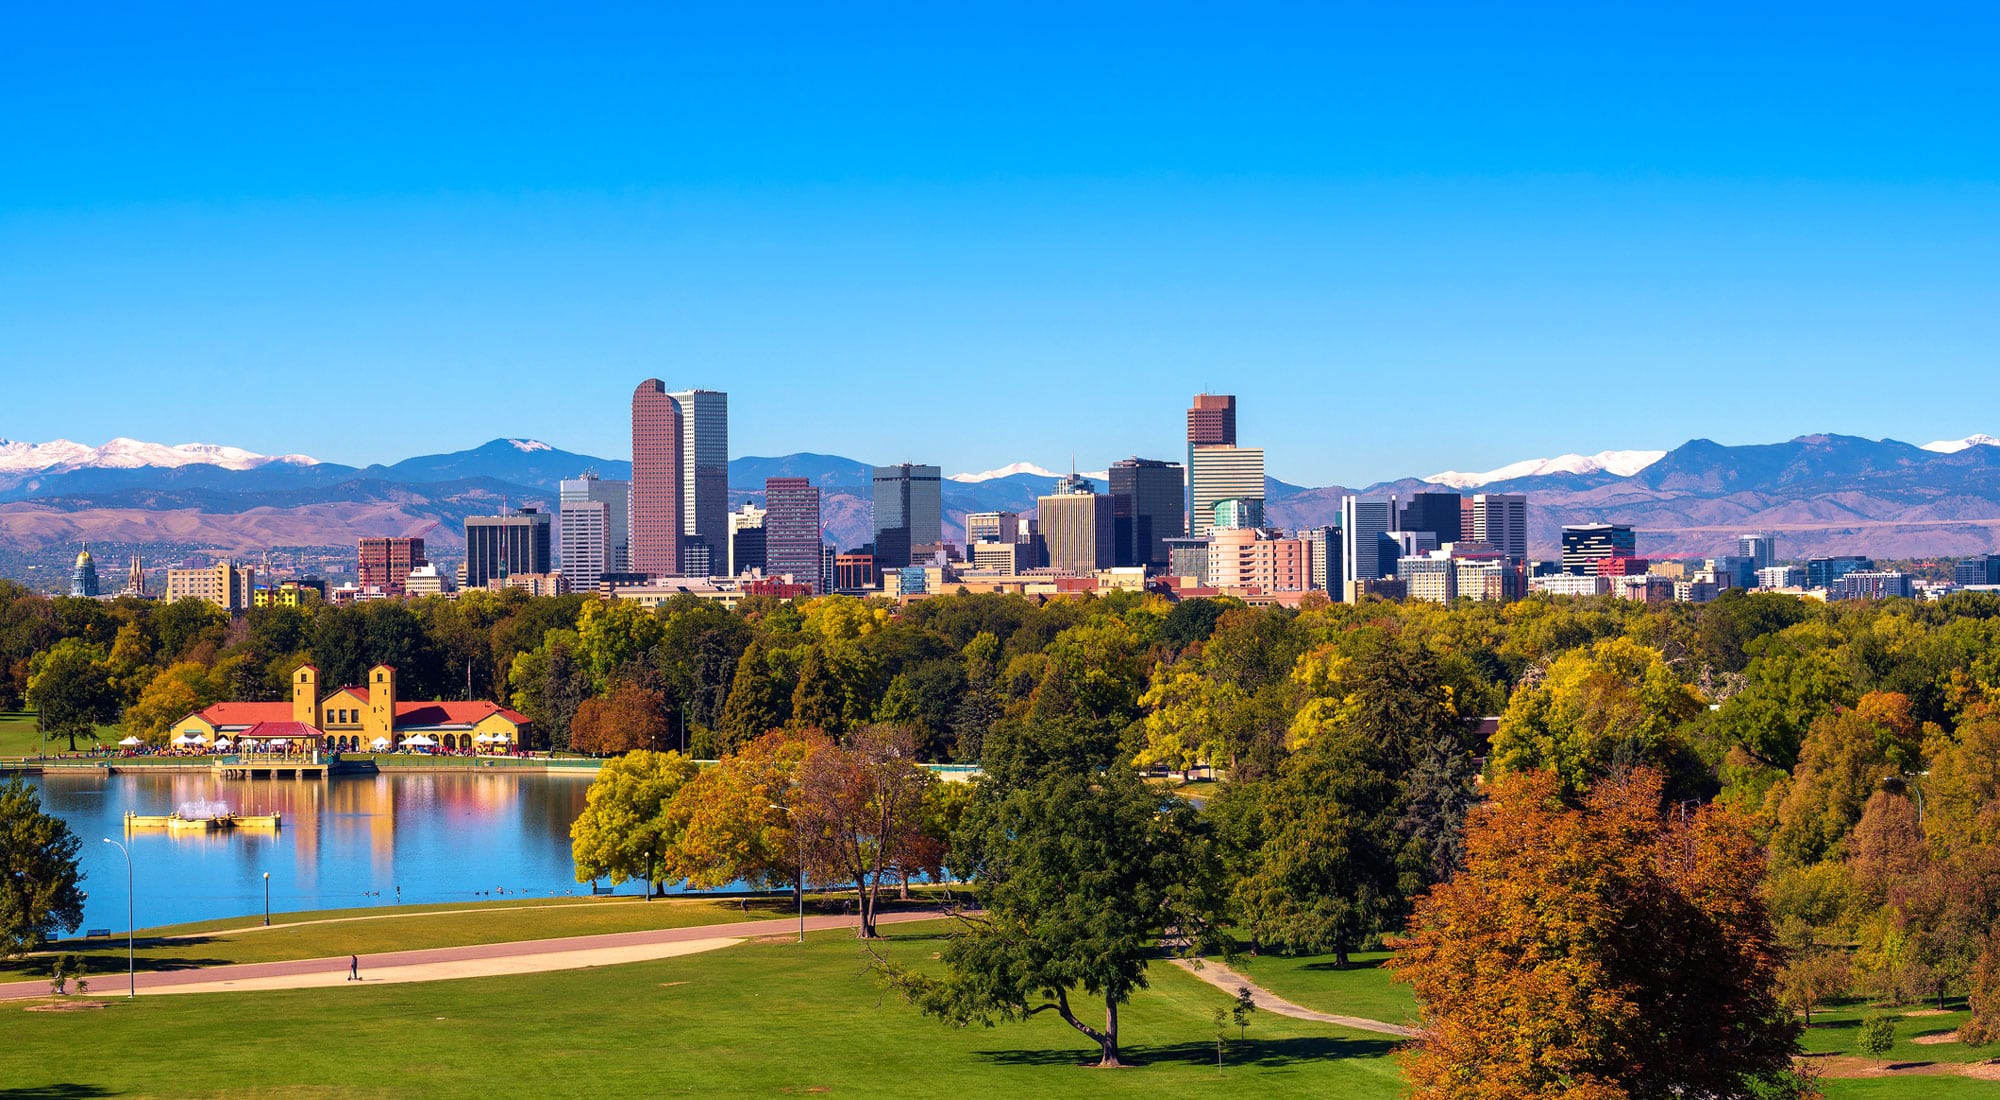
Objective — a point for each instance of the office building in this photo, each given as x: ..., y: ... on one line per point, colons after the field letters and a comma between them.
x: 386, y: 563
x: 498, y: 546
x: 1322, y: 545
x: 425, y: 580
x: 1824, y: 572
x: 1007, y: 559
x: 704, y: 478
x: 1583, y: 544
x: 658, y: 507
x: 1187, y: 556
x: 826, y: 560
x: 1431, y: 577
x: 792, y: 546
x: 909, y: 511
x: 992, y: 527
x: 1984, y: 569
x: 1438, y: 513
x: 1762, y: 550
x: 1500, y: 520
x: 1364, y: 525
x: 1219, y: 473
x: 1782, y: 576
x: 1564, y: 584
x: 1645, y: 588
x: 594, y: 516
x: 1733, y: 571
x: 1151, y: 509
x: 854, y: 572
x: 1488, y: 577
x: 1237, y: 512
x: 1871, y: 584
x: 229, y: 587
x: 1079, y: 528
x: 83, y: 578
x: 746, y: 540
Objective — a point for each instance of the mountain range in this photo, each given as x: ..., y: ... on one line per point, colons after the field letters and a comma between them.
x: 1819, y: 493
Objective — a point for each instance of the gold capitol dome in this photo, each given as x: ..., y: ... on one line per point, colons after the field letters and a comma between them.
x: 83, y: 558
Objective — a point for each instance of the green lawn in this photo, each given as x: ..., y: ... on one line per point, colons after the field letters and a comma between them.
x: 1362, y: 988
x: 368, y: 931
x: 1836, y: 1032
x: 759, y: 1019
x: 19, y: 737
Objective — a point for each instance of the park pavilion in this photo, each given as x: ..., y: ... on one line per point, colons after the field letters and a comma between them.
x: 355, y: 717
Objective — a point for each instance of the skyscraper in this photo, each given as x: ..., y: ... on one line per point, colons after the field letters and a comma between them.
x: 1211, y: 422
x: 1365, y: 554
x: 1218, y: 473
x: 1761, y: 549
x: 505, y: 545
x: 1437, y: 513
x: 1079, y: 528
x: 909, y: 511
x: 658, y: 510
x: 1150, y: 491
x: 1500, y: 520
x: 386, y: 562
x: 596, y: 529
x: 704, y: 474
x: 1585, y: 544
x: 746, y: 540
x: 791, y: 530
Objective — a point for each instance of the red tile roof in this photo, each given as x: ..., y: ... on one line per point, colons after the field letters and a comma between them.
x: 290, y: 730
x: 246, y: 714
x: 453, y: 713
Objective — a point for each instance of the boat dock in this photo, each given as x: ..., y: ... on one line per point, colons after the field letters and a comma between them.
x: 270, y: 766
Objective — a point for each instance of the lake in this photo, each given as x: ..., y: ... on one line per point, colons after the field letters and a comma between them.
x: 415, y: 837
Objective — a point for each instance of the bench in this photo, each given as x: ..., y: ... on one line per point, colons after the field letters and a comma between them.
x: 97, y: 934
x: 597, y: 891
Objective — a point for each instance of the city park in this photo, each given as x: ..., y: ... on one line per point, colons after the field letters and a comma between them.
x: 1096, y: 913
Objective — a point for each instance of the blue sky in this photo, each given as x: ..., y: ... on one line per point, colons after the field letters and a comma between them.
x: 1409, y: 237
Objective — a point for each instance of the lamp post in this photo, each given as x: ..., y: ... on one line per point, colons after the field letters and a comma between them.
x: 131, y: 969
x: 267, y: 899
x: 786, y: 810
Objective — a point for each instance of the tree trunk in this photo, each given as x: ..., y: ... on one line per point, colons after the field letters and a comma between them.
x: 1107, y: 1040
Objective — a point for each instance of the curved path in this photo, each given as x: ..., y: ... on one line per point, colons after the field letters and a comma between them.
x: 472, y: 961
x: 1229, y: 981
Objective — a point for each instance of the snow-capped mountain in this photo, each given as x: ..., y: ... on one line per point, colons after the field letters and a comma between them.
x: 1008, y: 470
x: 132, y: 454
x: 530, y: 446
x: 1617, y: 463
x: 1953, y: 446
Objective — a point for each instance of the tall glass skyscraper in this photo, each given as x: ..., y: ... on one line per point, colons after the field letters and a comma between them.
x: 705, y: 473
x: 909, y: 511
x: 595, y: 538
x: 657, y: 512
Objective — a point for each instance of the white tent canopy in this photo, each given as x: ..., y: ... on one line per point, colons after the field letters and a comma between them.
x: 222, y: 743
x: 486, y: 739
x: 379, y: 743
x: 128, y: 742
x: 420, y: 741
x: 191, y: 739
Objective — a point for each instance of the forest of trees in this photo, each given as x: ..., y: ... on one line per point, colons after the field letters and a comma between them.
x: 1853, y: 747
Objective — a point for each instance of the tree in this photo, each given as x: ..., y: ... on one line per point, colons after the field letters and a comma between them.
x: 862, y: 807
x: 1602, y: 950
x: 1612, y: 706
x: 70, y: 685
x: 180, y: 690
x: 726, y: 821
x: 1810, y: 978
x: 622, y: 831
x: 1877, y: 1037
x: 1186, y: 716
x: 1845, y: 757
x: 759, y: 698
x: 1984, y: 996
x: 631, y: 718
x: 1438, y: 796
x: 39, y: 893
x: 1079, y: 876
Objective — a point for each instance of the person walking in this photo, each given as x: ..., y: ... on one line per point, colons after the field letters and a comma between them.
x: 353, y: 968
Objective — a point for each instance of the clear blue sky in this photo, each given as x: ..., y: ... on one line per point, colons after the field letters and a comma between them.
x: 1410, y: 237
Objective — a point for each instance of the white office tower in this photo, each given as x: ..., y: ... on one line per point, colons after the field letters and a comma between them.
x: 1222, y: 473
x: 594, y: 535
x: 1500, y: 520
x: 747, y: 517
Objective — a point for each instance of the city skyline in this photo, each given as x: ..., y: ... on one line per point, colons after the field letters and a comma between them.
x: 1296, y: 208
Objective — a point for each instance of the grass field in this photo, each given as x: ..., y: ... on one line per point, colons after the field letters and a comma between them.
x: 1363, y: 988
x: 367, y: 931
x: 759, y: 1019
x: 19, y: 737
x: 1836, y: 1033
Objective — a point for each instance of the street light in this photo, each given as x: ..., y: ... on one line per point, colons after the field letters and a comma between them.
x: 802, y: 871
x: 131, y: 970
x: 267, y: 899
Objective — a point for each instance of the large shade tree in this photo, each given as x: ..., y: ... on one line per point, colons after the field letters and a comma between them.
x: 40, y: 894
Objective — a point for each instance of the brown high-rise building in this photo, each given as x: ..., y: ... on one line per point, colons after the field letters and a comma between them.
x: 792, y: 543
x: 386, y: 563
x: 657, y: 472
x: 1212, y: 420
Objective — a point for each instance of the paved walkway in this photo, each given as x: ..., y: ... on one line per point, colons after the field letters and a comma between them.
x: 443, y: 963
x: 1229, y: 981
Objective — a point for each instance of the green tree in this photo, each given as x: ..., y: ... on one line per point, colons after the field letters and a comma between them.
x: 70, y: 685
x: 623, y: 831
x: 40, y: 897
x: 1615, y: 705
x: 1876, y: 1038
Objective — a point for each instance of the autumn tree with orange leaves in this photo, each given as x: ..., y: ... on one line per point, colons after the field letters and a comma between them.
x: 1598, y: 951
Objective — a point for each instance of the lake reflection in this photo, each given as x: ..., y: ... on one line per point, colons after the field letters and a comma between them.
x: 349, y: 841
